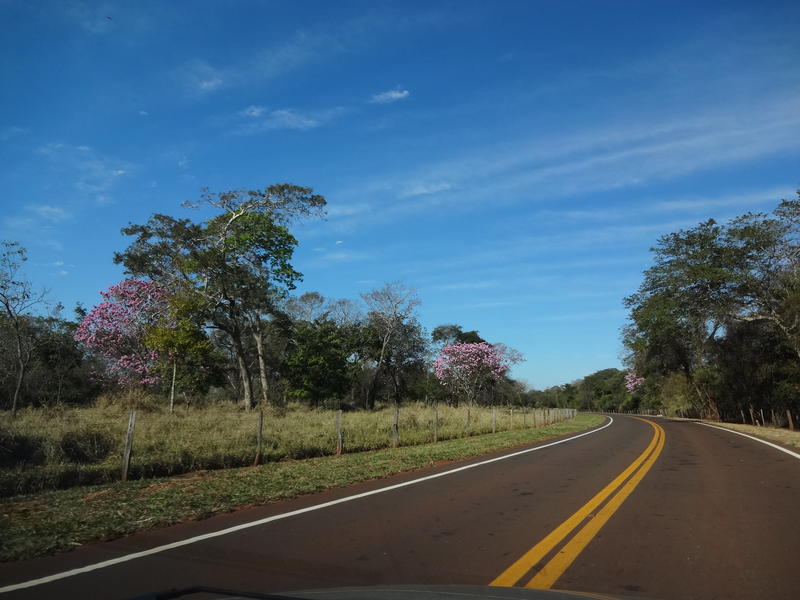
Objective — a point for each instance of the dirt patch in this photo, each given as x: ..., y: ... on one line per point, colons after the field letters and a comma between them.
x: 30, y: 506
x: 97, y: 495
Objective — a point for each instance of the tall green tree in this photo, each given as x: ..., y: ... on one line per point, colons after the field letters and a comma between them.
x: 704, y: 283
x: 236, y: 264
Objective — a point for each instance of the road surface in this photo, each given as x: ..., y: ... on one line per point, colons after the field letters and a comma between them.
x: 649, y: 508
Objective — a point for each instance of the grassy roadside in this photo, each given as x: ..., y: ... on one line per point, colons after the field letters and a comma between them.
x: 41, y: 524
x: 782, y: 436
x: 62, y: 447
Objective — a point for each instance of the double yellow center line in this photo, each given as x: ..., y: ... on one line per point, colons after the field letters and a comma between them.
x: 589, y: 521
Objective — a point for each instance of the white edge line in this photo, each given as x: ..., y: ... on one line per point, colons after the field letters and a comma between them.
x: 752, y: 437
x: 206, y: 536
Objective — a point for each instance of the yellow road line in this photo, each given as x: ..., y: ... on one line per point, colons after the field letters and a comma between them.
x: 527, y: 561
x: 555, y: 568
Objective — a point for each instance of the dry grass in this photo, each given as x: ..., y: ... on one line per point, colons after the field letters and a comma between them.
x: 775, y: 434
x: 223, y: 436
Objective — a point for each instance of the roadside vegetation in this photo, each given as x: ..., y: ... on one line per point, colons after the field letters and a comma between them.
x: 58, y: 520
x: 60, y: 448
x: 714, y: 328
x: 773, y: 434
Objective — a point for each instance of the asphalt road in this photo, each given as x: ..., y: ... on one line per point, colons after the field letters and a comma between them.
x: 680, y: 511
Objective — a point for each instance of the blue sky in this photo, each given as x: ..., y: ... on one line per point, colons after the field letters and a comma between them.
x: 512, y: 161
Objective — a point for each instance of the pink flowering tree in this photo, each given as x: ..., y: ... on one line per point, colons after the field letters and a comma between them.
x: 633, y: 382
x: 466, y: 368
x: 117, y: 330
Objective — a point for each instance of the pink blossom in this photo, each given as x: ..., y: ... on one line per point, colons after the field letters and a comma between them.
x: 467, y: 367
x: 116, y: 327
x: 633, y: 382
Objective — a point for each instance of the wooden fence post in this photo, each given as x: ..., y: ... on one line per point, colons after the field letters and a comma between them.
x: 466, y: 423
x: 436, y: 422
x: 511, y: 419
x: 259, y: 437
x: 339, y: 436
x: 494, y: 419
x: 126, y: 454
x: 396, y: 427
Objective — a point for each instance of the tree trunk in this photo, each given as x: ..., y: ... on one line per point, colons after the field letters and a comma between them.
x: 247, y: 384
x: 172, y: 386
x: 21, y: 364
x: 244, y: 373
x: 373, y: 385
x: 18, y: 388
x: 262, y: 365
x: 372, y: 392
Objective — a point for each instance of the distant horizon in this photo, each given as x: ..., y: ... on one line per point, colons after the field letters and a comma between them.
x: 514, y: 163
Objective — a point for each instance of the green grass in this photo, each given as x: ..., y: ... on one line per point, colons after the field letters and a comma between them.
x: 42, y: 524
x: 217, y: 437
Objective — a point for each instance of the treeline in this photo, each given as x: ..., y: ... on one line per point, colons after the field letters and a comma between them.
x: 714, y: 327
x: 207, y: 314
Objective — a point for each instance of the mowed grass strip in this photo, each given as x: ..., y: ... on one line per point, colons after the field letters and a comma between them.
x: 45, y: 523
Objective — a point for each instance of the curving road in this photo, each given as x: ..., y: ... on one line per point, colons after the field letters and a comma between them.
x: 651, y: 508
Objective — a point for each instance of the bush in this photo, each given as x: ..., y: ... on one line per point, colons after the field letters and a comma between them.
x: 18, y: 448
x: 87, y: 446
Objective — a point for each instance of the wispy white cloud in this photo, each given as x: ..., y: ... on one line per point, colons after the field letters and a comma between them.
x: 200, y: 77
x: 253, y: 111
x: 581, y: 316
x: 265, y: 64
x: 12, y: 132
x: 767, y: 198
x: 389, y: 96
x: 337, y: 210
x: 340, y: 256
x: 53, y: 214
x: 90, y: 172
x: 258, y: 119
x: 465, y: 285
x: 424, y: 188
x: 629, y: 155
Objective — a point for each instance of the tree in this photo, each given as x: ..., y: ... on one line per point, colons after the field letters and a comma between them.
x: 454, y: 334
x: 405, y: 357
x: 316, y: 365
x: 17, y: 299
x: 117, y: 330
x: 683, y: 303
x: 181, y: 344
x: 467, y: 368
x: 236, y: 263
x: 704, y: 283
x: 389, y: 308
